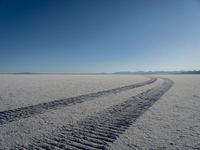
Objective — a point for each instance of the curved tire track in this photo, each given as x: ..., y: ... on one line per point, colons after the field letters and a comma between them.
x: 97, y: 132
x: 25, y: 112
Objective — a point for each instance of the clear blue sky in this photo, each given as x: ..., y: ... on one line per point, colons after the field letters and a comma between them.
x: 99, y: 35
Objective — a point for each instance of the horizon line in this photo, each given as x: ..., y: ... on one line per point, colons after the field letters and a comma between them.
x: 117, y: 72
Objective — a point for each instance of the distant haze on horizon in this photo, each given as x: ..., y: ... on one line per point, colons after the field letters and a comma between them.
x: 81, y: 36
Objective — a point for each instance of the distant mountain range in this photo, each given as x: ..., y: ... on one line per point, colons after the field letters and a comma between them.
x: 160, y: 72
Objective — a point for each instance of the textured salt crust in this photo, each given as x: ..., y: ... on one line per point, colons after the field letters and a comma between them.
x: 23, y: 90
x: 173, y: 122
x: 23, y: 131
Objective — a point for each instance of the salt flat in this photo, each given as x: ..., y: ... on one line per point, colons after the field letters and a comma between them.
x: 169, y: 122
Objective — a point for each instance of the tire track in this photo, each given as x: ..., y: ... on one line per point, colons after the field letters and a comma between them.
x: 97, y: 132
x: 25, y: 112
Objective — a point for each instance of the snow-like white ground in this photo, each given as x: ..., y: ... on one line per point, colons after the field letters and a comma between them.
x: 24, y: 130
x: 173, y: 122
x: 23, y: 90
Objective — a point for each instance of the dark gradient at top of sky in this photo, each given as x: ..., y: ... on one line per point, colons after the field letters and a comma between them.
x: 99, y: 35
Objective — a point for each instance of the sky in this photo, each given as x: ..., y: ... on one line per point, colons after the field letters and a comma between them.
x: 89, y: 36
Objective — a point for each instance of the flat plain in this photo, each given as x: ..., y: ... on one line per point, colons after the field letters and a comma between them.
x: 99, y: 112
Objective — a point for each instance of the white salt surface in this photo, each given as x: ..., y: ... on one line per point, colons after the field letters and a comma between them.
x: 173, y: 122
x: 23, y: 90
x: 24, y: 130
